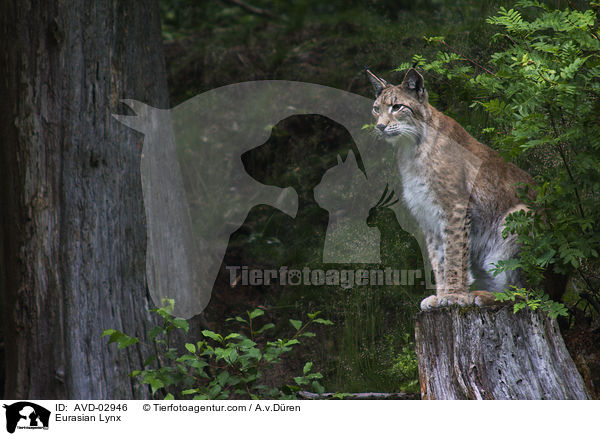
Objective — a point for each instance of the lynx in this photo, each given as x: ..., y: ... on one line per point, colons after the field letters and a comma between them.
x: 459, y: 191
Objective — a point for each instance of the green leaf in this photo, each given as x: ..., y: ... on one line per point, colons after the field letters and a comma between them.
x: 181, y: 323
x: 233, y: 356
x: 323, y: 321
x: 222, y: 378
x: 519, y: 306
x: 504, y: 296
x: 197, y: 364
x: 296, y: 324
x: 215, y: 390
x: 108, y: 332
x: 317, y: 387
x: 122, y: 340
x: 186, y: 358
x: 307, y: 368
x: 168, y: 305
x: 169, y: 397
x: 300, y: 380
x: 212, y: 335
x: 313, y: 315
x: 265, y: 328
x: 191, y: 348
x: 239, y: 319
x: 155, y: 384
x: 246, y: 343
x: 255, y: 313
x: 433, y: 39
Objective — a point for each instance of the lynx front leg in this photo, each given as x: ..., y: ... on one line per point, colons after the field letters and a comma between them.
x: 457, y: 268
x: 435, y: 250
x: 453, y: 287
x: 456, y: 252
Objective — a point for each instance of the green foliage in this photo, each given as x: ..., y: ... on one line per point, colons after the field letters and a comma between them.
x: 221, y: 366
x: 405, y: 368
x: 541, y: 91
x: 532, y: 299
x: 122, y: 340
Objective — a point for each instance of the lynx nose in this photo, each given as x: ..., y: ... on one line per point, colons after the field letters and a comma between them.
x: 381, y: 127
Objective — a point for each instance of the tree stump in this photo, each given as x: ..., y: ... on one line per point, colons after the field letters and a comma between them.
x: 493, y: 353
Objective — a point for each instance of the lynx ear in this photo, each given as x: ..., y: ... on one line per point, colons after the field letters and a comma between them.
x: 414, y: 82
x: 378, y: 83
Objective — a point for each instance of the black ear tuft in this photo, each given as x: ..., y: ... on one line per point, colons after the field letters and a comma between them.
x: 378, y: 83
x: 414, y: 82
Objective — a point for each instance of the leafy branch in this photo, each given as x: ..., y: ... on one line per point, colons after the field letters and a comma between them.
x: 220, y: 366
x: 532, y: 299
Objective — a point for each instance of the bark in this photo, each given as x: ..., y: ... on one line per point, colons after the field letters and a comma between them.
x: 72, y: 261
x: 493, y: 353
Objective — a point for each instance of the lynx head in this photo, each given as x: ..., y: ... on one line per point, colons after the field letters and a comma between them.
x: 401, y: 111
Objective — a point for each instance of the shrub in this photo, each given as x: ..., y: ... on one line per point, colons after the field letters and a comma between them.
x: 221, y: 366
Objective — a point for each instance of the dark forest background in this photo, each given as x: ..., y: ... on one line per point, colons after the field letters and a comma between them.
x: 218, y: 43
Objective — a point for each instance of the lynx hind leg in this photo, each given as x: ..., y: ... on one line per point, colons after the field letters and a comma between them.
x: 502, y: 249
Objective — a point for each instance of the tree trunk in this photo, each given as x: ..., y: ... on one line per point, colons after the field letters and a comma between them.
x: 72, y: 225
x: 493, y: 353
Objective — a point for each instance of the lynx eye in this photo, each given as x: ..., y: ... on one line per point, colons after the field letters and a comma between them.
x: 397, y: 107
x: 376, y: 109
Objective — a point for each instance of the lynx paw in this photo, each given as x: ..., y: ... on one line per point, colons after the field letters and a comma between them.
x: 444, y: 300
x: 429, y: 303
x: 483, y: 298
x: 475, y: 298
